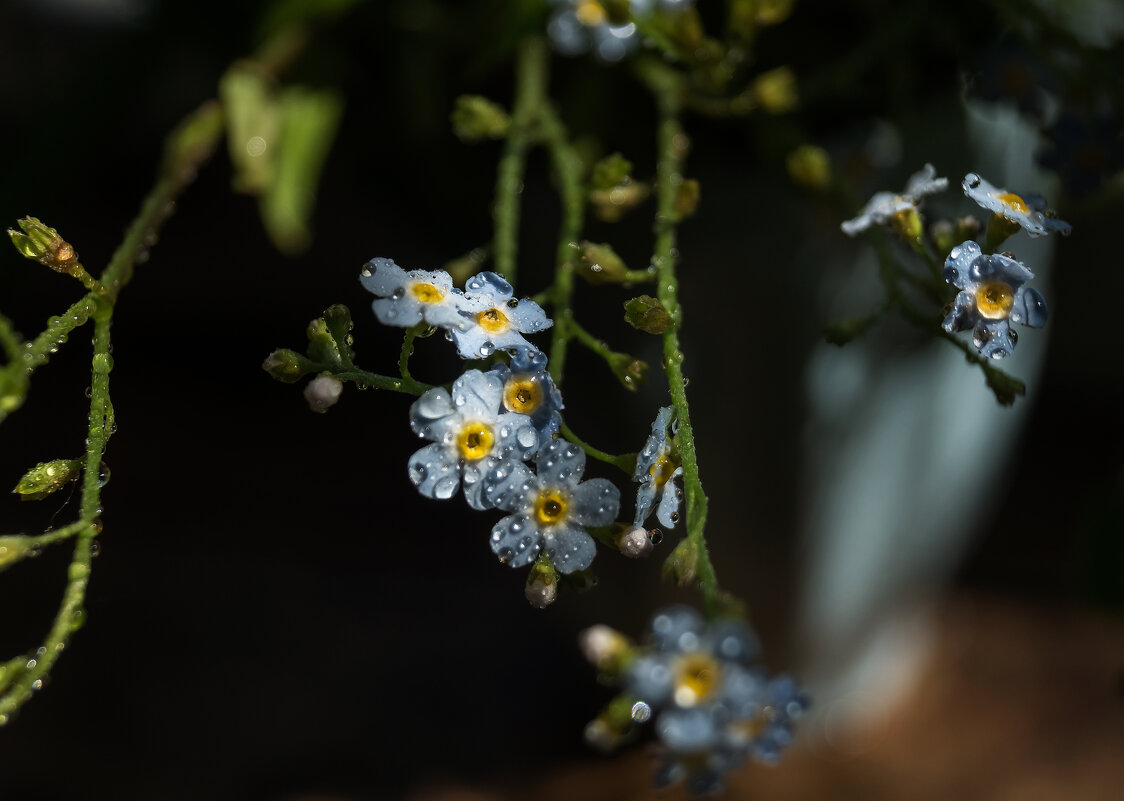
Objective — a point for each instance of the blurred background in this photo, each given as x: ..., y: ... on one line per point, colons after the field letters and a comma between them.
x: 275, y: 613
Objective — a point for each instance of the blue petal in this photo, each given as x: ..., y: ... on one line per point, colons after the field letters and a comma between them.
x: 649, y: 679
x: 560, y: 463
x: 1029, y: 308
x: 527, y: 359
x: 993, y: 338
x: 734, y: 641
x: 473, y: 478
x: 516, y: 437
x: 596, y: 502
x: 569, y: 547
x: 958, y: 265
x: 507, y: 485
x: 490, y: 285
x: 1003, y: 268
x: 433, y: 405
x: 688, y: 729
x: 528, y: 317
x: 669, y: 626
x: 962, y: 315
x: 645, y: 499
x: 385, y: 276
x: 434, y: 473
x: 404, y: 312
x: 477, y: 393
x: 668, y: 513
x: 516, y: 541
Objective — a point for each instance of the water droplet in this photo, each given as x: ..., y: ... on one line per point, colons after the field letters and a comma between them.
x: 656, y: 536
x: 487, y: 348
x: 102, y: 363
x: 103, y: 474
x: 527, y: 437
x: 460, y: 399
x: 398, y: 293
x: 37, y: 685
x: 446, y: 487
x: 505, y: 555
x: 366, y: 272
x: 391, y: 314
x: 31, y: 663
x: 417, y: 473
x: 674, y: 517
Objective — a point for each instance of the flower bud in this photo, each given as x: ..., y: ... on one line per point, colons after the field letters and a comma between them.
x: 541, y: 589
x: 600, y: 264
x: 610, y: 171
x: 322, y: 393
x: 43, y: 244
x: 287, y: 366
x: 628, y: 370
x: 605, y: 648
x: 647, y: 314
x: 322, y: 346
x: 682, y: 565
x: 809, y: 166
x: 634, y: 542
x: 476, y: 118
x: 775, y: 90
x: 46, y: 478
x: 686, y: 198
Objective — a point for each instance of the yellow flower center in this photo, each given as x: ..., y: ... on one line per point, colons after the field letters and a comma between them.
x: 475, y: 441
x: 697, y: 676
x: 551, y: 507
x: 994, y: 300
x: 661, y: 471
x: 493, y: 321
x: 522, y: 394
x: 590, y: 12
x: 1013, y: 202
x: 426, y: 293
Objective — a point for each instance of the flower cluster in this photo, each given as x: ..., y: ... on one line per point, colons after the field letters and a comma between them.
x: 992, y: 285
x: 489, y: 424
x: 713, y: 704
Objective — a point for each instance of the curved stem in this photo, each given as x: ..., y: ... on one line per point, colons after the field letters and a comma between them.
x: 625, y: 461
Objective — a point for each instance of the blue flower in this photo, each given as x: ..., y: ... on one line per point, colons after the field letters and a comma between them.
x: 884, y: 206
x: 581, y: 25
x: 992, y: 297
x: 470, y: 435
x: 491, y: 319
x: 715, y: 705
x: 551, y: 509
x: 528, y: 389
x: 656, y: 469
x: 1028, y: 211
x: 407, y: 298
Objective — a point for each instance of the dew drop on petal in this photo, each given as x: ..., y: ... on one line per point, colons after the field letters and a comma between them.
x: 445, y: 487
x: 526, y: 437
x: 398, y: 293
x: 417, y: 473
x: 505, y: 555
x: 487, y: 348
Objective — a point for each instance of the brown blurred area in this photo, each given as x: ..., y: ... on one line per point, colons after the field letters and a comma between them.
x: 1017, y: 702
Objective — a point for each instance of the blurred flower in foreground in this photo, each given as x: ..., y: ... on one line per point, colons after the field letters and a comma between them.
x: 886, y: 206
x: 713, y: 704
x: 992, y: 297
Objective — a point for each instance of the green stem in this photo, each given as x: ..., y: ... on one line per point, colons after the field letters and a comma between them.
x: 567, y: 170
x: 625, y: 461
x: 530, y: 88
x: 408, y: 350
x: 408, y: 386
x: 672, y: 146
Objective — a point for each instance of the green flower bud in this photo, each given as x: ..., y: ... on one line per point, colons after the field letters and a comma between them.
x: 909, y: 227
x: 43, y: 244
x: 322, y: 346
x: 610, y: 204
x: 541, y: 589
x: 338, y: 320
x: 647, y: 314
x: 287, y: 366
x: 610, y: 172
x: 775, y: 90
x: 599, y: 264
x: 476, y: 118
x: 809, y: 166
x: 630, y: 371
x: 46, y: 478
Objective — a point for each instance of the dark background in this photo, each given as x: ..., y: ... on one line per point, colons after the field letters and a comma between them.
x: 274, y: 610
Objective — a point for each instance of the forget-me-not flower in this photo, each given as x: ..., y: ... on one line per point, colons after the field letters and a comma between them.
x: 884, y: 206
x: 1028, y: 211
x: 551, y: 509
x: 656, y: 470
x: 407, y: 298
x: 470, y: 434
x: 715, y: 706
x: 528, y: 389
x: 493, y: 320
x: 992, y: 297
